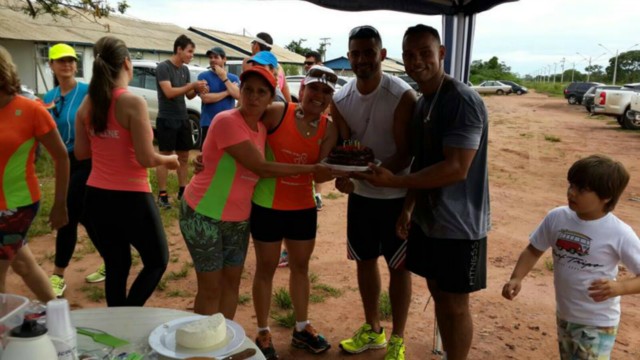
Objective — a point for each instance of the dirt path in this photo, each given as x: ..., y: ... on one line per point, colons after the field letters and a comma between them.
x: 533, y: 141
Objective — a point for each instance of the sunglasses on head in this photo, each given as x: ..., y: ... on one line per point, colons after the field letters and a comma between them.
x: 363, y: 32
x: 327, y: 77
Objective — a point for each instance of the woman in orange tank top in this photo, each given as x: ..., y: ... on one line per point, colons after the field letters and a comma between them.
x: 284, y: 208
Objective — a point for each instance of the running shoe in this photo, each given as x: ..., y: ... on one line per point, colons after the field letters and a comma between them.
x: 318, y: 199
x: 58, y: 285
x: 363, y: 339
x: 163, y: 202
x: 310, y: 340
x: 97, y: 276
x: 395, y: 349
x: 284, y: 259
x: 265, y: 344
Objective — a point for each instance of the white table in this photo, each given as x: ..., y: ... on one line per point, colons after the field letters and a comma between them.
x: 133, y: 324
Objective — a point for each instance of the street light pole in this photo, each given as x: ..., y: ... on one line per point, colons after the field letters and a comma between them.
x: 562, y: 74
x: 615, y: 62
x: 554, y: 72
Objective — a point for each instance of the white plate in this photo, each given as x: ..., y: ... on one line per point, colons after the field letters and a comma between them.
x: 163, y: 339
x: 347, y: 167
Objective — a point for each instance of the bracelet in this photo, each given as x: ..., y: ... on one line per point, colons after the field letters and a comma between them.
x: 225, y: 80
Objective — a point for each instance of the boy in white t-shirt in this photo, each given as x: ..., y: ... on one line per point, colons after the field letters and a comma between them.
x: 587, y: 243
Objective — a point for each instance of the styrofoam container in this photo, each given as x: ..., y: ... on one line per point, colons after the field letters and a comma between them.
x: 12, y: 308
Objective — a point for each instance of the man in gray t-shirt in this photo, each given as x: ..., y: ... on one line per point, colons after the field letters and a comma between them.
x: 172, y: 125
x: 446, y: 212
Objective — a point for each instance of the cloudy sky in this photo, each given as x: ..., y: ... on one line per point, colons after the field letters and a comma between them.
x: 528, y: 35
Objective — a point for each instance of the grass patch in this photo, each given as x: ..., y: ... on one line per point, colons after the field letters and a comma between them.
x: 184, y: 271
x: 548, y: 264
x: 282, y: 299
x: 244, y: 299
x: 162, y: 285
x: 327, y: 290
x: 287, y: 320
x: 313, y: 277
x: 174, y: 259
x: 526, y: 135
x: 316, y: 298
x: 384, y: 306
x: 333, y: 195
x: 552, y: 138
x: 93, y: 293
x: 178, y: 293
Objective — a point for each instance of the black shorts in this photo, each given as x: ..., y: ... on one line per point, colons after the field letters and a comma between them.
x: 173, y: 135
x: 270, y: 225
x: 458, y: 266
x: 204, y: 130
x: 371, y: 230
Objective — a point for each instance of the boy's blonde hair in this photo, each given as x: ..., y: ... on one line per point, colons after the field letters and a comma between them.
x: 601, y: 174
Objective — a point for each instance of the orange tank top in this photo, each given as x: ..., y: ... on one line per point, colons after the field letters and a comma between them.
x: 114, y: 163
x: 286, y: 144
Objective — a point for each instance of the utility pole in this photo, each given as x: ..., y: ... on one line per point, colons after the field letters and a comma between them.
x: 554, y: 72
x: 324, y: 42
x: 573, y: 70
x: 562, y: 68
x: 615, y: 65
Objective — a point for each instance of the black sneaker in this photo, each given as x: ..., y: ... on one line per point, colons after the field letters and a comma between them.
x: 163, y: 202
x: 310, y: 340
x: 264, y: 343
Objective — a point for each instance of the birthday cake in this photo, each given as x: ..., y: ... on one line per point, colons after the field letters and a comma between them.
x: 351, y: 154
x: 207, y: 332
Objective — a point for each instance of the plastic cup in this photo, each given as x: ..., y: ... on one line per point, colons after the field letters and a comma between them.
x: 60, y: 329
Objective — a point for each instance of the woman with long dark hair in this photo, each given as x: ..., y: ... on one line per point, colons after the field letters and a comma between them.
x: 23, y: 124
x: 113, y: 129
x: 64, y: 100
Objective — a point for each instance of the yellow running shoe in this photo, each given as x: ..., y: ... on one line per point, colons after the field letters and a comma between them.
x: 97, y: 276
x: 396, y: 348
x: 365, y: 338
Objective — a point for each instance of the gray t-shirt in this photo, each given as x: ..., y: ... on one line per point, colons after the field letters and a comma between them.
x: 458, y: 119
x: 176, y: 108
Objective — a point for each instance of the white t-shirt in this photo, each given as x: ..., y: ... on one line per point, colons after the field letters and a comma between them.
x: 584, y: 251
x: 370, y: 119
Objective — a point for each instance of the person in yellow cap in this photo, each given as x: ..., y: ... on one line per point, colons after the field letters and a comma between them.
x: 64, y: 100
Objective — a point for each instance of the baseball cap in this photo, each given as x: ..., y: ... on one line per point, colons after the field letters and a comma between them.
x: 262, y: 71
x: 321, y: 74
x: 265, y: 58
x: 217, y: 50
x: 263, y: 39
x: 59, y: 51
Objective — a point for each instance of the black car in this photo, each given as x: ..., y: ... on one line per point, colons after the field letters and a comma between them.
x: 516, y: 88
x: 576, y: 90
x: 588, y: 97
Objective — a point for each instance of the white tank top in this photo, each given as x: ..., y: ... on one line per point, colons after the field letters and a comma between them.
x: 370, y: 119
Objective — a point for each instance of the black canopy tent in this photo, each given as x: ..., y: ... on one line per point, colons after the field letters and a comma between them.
x: 458, y: 23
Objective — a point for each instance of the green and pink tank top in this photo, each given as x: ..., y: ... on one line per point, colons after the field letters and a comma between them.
x: 21, y: 121
x: 223, y: 190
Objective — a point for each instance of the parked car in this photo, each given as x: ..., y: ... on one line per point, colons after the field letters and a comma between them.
x: 616, y: 103
x: 411, y: 82
x: 515, y: 87
x: 576, y: 90
x: 587, y: 99
x: 144, y: 84
x: 492, y: 87
x: 294, y: 84
x: 632, y: 117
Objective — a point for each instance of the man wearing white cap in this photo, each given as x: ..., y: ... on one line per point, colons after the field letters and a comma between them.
x: 264, y: 42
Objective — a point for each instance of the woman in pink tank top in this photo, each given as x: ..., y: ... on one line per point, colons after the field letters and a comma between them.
x: 113, y: 129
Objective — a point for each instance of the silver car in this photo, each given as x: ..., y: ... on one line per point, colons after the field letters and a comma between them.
x: 492, y: 87
x: 144, y: 84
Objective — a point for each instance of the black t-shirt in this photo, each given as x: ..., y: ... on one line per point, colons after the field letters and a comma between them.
x: 176, y: 108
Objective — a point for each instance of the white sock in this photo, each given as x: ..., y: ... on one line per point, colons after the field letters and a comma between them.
x: 264, y: 328
x: 300, y: 325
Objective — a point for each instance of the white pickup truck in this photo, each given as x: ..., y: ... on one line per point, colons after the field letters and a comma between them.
x: 616, y: 103
x: 632, y: 117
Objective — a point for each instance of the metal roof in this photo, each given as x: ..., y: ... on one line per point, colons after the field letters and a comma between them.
x: 85, y: 30
x: 242, y: 43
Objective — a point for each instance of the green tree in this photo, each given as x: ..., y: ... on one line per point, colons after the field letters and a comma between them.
x: 64, y: 8
x: 493, y: 69
x: 296, y: 47
x: 628, y: 67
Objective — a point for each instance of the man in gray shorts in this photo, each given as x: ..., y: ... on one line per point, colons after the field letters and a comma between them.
x: 375, y: 109
x: 172, y: 125
x: 447, y: 206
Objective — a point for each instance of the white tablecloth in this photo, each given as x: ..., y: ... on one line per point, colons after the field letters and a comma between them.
x: 133, y: 324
